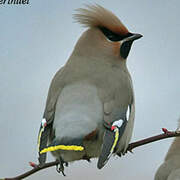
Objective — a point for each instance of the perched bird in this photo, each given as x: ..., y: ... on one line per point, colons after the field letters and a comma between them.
x: 170, y: 168
x: 90, y: 105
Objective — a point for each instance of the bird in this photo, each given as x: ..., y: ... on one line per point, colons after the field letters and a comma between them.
x: 90, y: 106
x: 170, y: 168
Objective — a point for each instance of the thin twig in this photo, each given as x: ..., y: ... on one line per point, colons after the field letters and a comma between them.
x: 166, y: 134
x: 34, y: 170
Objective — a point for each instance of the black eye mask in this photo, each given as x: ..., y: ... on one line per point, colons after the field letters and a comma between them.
x: 113, y: 36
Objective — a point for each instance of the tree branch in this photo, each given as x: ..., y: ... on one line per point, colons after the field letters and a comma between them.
x: 34, y: 170
x: 166, y: 134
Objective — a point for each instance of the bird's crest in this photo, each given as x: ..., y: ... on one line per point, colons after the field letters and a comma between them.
x: 97, y: 16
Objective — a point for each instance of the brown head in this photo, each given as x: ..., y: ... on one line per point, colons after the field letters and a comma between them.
x: 106, y: 34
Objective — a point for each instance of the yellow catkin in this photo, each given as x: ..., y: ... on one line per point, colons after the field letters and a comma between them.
x: 63, y: 147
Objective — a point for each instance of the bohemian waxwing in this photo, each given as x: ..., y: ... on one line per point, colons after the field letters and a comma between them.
x: 170, y: 168
x: 90, y: 105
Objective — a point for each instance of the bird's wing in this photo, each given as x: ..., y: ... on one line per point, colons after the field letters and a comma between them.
x: 115, y: 122
x: 48, y: 117
x: 174, y: 175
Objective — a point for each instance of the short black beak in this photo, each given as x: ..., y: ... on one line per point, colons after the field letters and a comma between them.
x: 133, y: 37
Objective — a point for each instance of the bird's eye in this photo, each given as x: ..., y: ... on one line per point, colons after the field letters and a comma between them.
x: 110, y: 35
x: 113, y: 36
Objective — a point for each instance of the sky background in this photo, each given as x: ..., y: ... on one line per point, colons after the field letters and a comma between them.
x: 37, y: 39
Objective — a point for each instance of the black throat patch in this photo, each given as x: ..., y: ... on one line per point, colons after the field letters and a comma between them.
x: 125, y: 49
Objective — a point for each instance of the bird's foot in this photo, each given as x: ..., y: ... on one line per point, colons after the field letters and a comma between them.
x: 60, y: 166
x: 130, y: 151
x: 123, y: 153
x: 119, y: 154
x: 85, y: 157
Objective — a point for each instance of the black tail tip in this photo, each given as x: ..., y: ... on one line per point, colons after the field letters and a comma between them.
x: 100, y: 164
x: 42, y: 159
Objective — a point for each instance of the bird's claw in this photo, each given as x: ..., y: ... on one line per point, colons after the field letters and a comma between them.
x: 119, y: 154
x: 123, y: 153
x: 85, y: 157
x: 60, y: 169
x: 60, y: 166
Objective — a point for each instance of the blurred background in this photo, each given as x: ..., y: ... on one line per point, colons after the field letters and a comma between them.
x: 37, y: 39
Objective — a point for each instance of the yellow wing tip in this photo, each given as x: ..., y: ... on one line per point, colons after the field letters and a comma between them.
x: 62, y: 147
x: 39, y: 138
x: 115, y: 140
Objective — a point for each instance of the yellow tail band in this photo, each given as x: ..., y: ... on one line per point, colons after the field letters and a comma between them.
x: 63, y: 147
